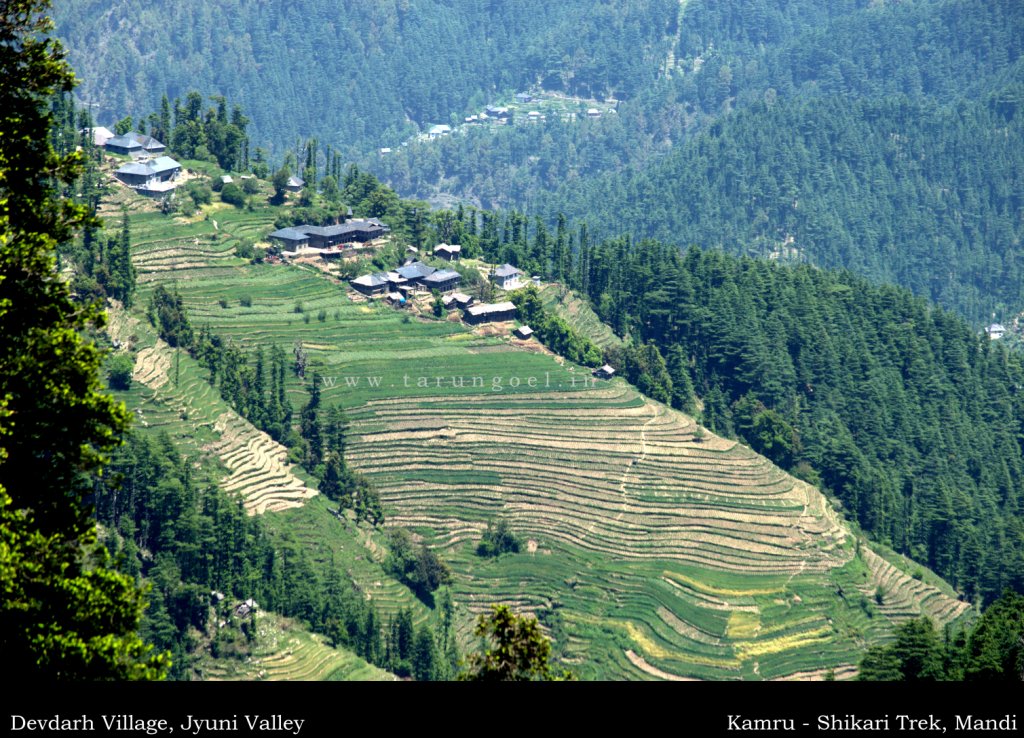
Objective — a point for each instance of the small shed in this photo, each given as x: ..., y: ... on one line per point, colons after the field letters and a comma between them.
x: 605, y: 372
x: 524, y: 332
x: 448, y: 252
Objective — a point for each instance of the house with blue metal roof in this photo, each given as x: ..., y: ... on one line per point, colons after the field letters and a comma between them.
x: 134, y: 144
x: 143, y: 174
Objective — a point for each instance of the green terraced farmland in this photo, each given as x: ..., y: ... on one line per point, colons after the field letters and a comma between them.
x: 659, y: 554
x: 286, y: 652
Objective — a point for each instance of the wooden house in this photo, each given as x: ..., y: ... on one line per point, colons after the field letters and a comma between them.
x: 490, y: 313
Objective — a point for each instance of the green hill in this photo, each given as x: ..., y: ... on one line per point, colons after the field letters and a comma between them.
x: 653, y: 550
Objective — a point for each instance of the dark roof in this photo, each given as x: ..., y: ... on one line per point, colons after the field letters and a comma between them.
x: 150, y: 168
x: 324, y: 231
x: 146, y: 142
x: 144, y: 169
x: 124, y: 142
x: 289, y: 234
x: 506, y: 270
x: 416, y: 270
x: 442, y: 275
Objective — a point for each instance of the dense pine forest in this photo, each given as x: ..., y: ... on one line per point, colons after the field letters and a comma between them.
x: 882, y: 139
x: 377, y: 68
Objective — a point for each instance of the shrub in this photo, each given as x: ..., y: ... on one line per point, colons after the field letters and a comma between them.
x: 233, y: 195
x: 120, y: 371
x: 245, y: 249
x: 498, y: 539
x: 245, y: 301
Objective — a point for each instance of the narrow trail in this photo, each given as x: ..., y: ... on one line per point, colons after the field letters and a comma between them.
x: 636, y: 461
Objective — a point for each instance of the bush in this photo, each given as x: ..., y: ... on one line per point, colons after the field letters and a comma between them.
x: 245, y: 249
x: 498, y: 539
x: 200, y: 193
x: 120, y: 371
x: 223, y: 303
x: 233, y: 195
x: 245, y: 301
x: 299, y: 307
x: 250, y: 186
x: 322, y: 316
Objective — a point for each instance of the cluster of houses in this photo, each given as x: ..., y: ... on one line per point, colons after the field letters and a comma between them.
x: 151, y: 172
x: 405, y: 281
x: 414, y: 277
x: 328, y: 241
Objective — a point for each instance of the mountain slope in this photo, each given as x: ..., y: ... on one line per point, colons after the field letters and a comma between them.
x: 652, y: 551
x: 355, y: 74
x: 883, y: 138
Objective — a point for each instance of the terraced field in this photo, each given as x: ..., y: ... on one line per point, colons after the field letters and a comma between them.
x: 651, y: 554
x: 577, y: 313
x: 286, y: 652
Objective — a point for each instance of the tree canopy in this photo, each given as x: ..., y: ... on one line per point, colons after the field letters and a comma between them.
x: 517, y: 650
x: 63, y: 612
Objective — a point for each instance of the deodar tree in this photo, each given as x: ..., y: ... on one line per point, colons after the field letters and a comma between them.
x: 63, y: 613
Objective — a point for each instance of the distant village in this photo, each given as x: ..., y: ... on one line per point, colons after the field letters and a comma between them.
x: 528, y: 108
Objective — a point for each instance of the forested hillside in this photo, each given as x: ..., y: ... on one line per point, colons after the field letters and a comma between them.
x: 885, y: 139
x: 357, y: 74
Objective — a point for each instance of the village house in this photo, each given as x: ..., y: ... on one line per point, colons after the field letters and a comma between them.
x: 371, y: 284
x: 439, y: 130
x: 415, y: 272
x: 593, y: 113
x: 507, y: 277
x: 457, y: 300
x: 146, y: 176
x: 996, y: 331
x: 330, y: 236
x: 498, y: 115
x: 524, y: 97
x: 524, y: 332
x: 605, y: 372
x: 448, y: 252
x: 443, y: 280
x: 490, y: 313
x: 134, y: 144
x: 295, y: 184
x: 291, y: 239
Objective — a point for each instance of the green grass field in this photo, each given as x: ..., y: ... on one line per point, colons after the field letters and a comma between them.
x: 658, y: 554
